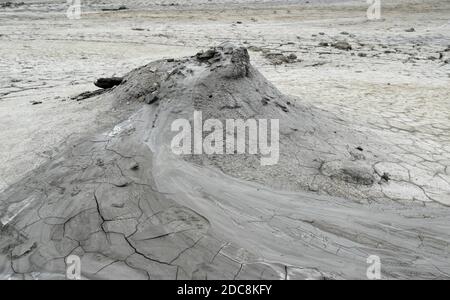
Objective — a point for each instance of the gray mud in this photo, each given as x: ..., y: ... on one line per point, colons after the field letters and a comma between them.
x: 131, y: 209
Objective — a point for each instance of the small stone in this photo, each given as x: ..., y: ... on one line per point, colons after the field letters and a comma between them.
x: 342, y: 45
x: 410, y: 30
x: 277, y: 58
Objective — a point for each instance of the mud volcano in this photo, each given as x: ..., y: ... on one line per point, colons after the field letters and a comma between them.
x: 131, y: 209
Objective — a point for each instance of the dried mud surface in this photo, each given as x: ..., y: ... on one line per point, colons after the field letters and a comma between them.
x: 364, y: 144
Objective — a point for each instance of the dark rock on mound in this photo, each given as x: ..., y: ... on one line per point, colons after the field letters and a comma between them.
x: 235, y: 61
x: 107, y: 83
x: 277, y: 58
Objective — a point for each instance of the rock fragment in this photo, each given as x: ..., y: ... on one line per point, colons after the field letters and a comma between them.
x: 342, y: 45
x: 277, y: 58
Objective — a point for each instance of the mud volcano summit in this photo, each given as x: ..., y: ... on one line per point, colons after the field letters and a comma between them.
x: 130, y: 208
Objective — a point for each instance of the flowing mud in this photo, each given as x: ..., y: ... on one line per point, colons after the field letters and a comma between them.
x: 130, y: 208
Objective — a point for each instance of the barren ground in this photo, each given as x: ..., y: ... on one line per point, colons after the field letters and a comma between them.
x: 393, y: 82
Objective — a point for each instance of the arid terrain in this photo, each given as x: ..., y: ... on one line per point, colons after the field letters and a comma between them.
x: 371, y: 96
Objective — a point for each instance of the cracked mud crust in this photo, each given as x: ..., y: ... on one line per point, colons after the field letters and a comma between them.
x: 373, y: 95
x: 131, y: 209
